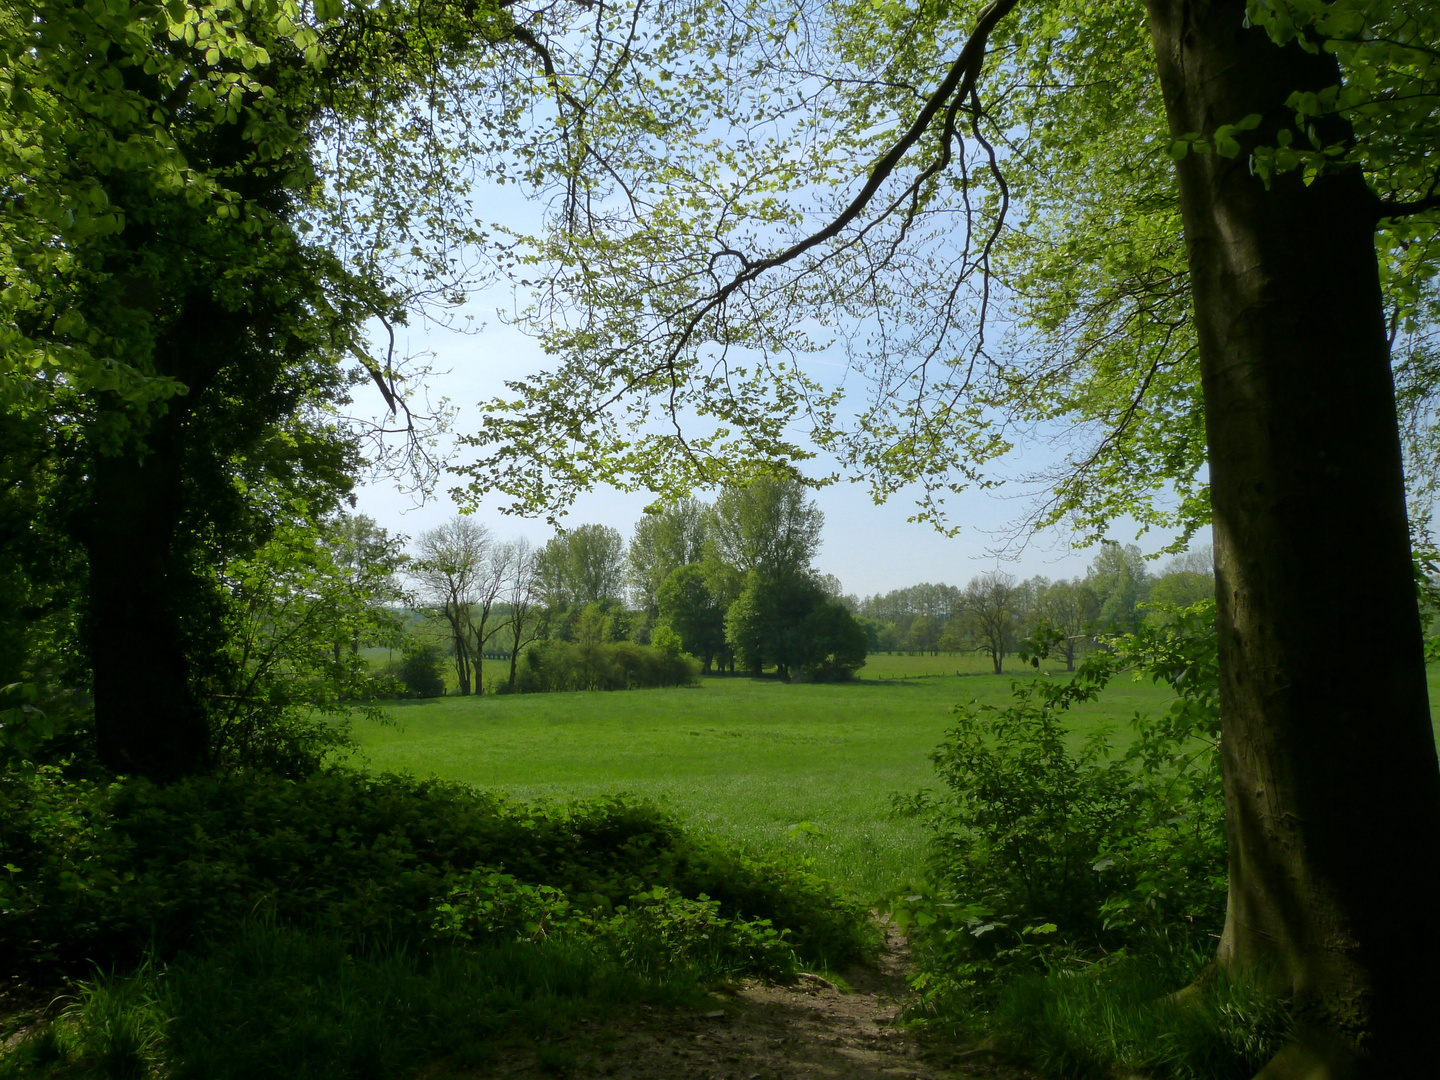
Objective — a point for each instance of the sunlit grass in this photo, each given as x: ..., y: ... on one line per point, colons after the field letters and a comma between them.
x: 747, y: 759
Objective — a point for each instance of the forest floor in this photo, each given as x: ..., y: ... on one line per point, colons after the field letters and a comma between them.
x: 813, y: 1030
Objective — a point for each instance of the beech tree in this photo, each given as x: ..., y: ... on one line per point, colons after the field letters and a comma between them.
x: 1215, y: 220
x: 203, y: 208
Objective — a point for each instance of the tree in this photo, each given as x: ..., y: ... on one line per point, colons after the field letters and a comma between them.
x: 770, y: 526
x: 584, y: 565
x: 1326, y: 831
x: 924, y: 634
x: 671, y: 537
x: 1073, y: 609
x: 835, y: 642
x: 451, y: 566
x: 1177, y: 589
x: 520, y: 596
x: 954, y: 637
x: 689, y: 608
x: 1119, y: 580
x: 990, y: 602
x: 369, y: 557
x: 766, y: 623
x: 178, y: 314
x: 1221, y: 326
x: 281, y: 683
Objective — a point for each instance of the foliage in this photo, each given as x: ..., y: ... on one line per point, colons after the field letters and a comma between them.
x: 653, y: 930
x: 766, y: 625
x: 1046, y: 853
x: 289, y: 672
x: 583, y: 565
x: 207, y: 210
x: 667, y: 538
x: 835, y: 643
x: 97, y: 872
x: 276, y: 1002
x: 770, y: 526
x: 1121, y: 1017
x: 687, y: 605
x: 422, y: 673
x: 550, y: 666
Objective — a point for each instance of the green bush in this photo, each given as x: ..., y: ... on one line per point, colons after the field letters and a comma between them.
x: 99, y: 872
x: 550, y: 666
x: 655, y: 930
x: 1048, y: 855
x: 422, y: 673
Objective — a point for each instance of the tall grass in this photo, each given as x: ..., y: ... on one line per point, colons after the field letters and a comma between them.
x: 1123, y: 1018
x: 281, y: 1004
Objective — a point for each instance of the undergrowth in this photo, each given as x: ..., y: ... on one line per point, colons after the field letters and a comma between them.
x: 281, y: 1003
x: 346, y: 926
x: 1125, y: 1019
x: 101, y: 873
x: 1074, y: 887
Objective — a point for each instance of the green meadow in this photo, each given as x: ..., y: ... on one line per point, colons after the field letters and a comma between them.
x: 748, y: 759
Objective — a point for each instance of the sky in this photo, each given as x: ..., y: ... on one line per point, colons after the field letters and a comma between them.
x: 871, y: 549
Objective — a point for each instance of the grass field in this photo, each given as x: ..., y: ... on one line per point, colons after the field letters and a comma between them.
x: 748, y: 759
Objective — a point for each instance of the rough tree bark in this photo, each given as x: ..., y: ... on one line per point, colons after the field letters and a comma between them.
x: 147, y: 720
x: 1331, y: 785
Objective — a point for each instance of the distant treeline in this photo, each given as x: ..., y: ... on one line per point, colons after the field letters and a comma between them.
x: 996, y: 611
x: 730, y: 584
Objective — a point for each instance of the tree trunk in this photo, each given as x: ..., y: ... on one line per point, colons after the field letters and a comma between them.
x: 146, y: 718
x: 1331, y: 785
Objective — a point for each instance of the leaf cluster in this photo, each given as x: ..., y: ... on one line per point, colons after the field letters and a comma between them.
x: 98, y: 872
x: 1049, y: 851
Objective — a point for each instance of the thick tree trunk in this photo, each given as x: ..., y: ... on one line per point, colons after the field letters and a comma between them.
x: 1331, y: 785
x: 146, y: 718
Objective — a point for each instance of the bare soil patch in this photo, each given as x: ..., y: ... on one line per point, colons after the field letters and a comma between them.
x: 812, y: 1030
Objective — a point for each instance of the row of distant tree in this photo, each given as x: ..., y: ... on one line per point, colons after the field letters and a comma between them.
x: 732, y: 581
x: 996, y: 611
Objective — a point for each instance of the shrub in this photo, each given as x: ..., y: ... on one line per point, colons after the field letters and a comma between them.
x: 551, y: 666
x: 422, y: 673
x: 1046, y: 854
x: 97, y: 872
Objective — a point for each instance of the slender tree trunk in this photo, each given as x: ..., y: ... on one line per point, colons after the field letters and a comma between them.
x: 146, y: 718
x: 1331, y: 785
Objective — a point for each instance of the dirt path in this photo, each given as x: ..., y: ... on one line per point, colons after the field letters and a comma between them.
x: 810, y: 1031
